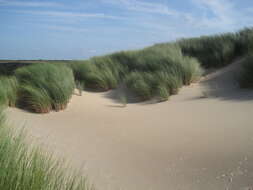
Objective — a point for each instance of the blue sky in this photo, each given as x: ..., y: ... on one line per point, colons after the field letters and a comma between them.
x: 79, y: 29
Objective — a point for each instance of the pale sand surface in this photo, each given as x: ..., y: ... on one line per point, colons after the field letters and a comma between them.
x: 202, y: 139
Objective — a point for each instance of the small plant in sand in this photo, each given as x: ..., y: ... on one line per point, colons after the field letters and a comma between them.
x: 123, y: 100
x: 205, y: 94
x: 191, y: 70
x: 80, y: 87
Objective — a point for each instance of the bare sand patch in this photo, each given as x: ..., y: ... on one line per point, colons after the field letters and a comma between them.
x: 201, y: 138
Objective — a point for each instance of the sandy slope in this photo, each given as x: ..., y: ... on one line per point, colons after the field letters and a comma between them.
x: 200, y: 139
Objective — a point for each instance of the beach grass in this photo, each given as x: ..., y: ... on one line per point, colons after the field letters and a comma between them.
x: 156, y: 71
x: 211, y: 51
x: 24, y: 167
x: 139, y: 71
x: 43, y: 87
x: 8, y: 90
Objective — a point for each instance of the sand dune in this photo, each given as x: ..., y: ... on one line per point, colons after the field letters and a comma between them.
x: 199, y: 139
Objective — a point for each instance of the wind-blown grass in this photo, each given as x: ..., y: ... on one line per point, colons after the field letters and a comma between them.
x: 99, y: 73
x: 211, y: 51
x: 35, y: 99
x: 8, y: 90
x: 171, y: 81
x: 159, y: 67
x: 160, y: 72
x: 45, y: 86
x: 141, y: 84
x: 23, y: 167
x: 218, y: 50
x: 165, y: 81
x: 162, y: 92
x: 244, y: 41
x: 191, y: 70
x: 140, y: 71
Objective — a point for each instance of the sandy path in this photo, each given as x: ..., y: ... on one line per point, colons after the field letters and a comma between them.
x: 200, y: 139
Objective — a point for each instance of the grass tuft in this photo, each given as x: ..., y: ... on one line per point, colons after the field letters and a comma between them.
x: 140, y: 83
x: 23, y: 167
x: 98, y: 73
x: 146, y: 72
x: 8, y: 90
x: 45, y: 86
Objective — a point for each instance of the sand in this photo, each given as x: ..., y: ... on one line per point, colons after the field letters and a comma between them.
x: 201, y: 138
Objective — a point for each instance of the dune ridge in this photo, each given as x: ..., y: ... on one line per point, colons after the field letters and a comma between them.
x: 199, y: 139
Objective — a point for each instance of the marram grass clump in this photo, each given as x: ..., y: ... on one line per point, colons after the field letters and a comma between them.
x: 23, y: 167
x: 99, y: 73
x: 8, y: 90
x: 45, y: 86
x: 157, y: 71
x: 35, y: 99
x: 141, y: 84
x: 160, y: 72
x: 154, y: 72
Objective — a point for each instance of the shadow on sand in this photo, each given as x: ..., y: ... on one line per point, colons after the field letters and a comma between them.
x: 122, y: 93
x: 222, y: 84
x: 129, y: 97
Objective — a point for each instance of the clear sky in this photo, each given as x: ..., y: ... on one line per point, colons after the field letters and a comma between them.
x: 78, y: 29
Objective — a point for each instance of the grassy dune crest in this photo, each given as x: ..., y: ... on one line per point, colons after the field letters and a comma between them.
x: 211, y: 51
x: 245, y: 41
x: 24, y: 167
x: 160, y: 70
x: 154, y: 72
x: 216, y: 50
x: 45, y: 86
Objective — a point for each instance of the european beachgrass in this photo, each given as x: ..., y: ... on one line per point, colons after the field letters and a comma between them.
x: 8, y: 90
x: 141, y: 84
x: 45, y: 86
x: 159, y: 71
x: 154, y: 72
x: 23, y: 167
x: 211, y: 51
x: 99, y: 73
